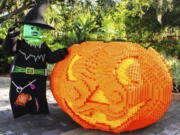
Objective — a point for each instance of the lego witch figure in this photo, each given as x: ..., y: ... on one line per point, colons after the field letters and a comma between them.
x: 31, y: 55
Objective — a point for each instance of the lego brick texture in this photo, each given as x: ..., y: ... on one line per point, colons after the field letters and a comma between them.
x: 114, y: 86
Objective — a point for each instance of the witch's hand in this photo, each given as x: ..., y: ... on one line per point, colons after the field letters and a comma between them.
x: 64, y: 52
x: 13, y: 32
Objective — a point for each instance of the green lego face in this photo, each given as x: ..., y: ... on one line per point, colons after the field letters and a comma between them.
x: 32, y: 34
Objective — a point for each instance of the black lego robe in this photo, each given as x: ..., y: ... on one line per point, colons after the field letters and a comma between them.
x: 34, y: 85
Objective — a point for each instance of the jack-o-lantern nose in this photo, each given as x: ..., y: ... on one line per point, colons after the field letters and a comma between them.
x: 99, y: 97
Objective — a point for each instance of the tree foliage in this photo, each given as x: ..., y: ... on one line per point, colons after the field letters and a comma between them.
x: 80, y: 20
x: 143, y: 21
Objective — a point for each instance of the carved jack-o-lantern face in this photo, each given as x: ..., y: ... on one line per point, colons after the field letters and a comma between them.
x: 116, y: 86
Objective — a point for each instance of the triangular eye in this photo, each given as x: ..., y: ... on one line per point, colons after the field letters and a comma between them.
x: 32, y: 28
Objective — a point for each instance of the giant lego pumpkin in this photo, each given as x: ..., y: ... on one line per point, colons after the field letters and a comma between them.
x: 115, y: 86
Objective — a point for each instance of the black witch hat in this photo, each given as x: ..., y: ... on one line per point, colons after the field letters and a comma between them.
x: 35, y: 16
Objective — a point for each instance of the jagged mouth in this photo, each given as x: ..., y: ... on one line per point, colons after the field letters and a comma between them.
x: 34, y: 33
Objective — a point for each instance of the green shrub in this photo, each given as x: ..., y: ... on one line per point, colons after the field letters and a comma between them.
x: 175, y: 69
x: 167, y: 48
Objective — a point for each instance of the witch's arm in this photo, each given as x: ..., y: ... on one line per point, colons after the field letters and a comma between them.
x: 53, y: 57
x: 10, y: 41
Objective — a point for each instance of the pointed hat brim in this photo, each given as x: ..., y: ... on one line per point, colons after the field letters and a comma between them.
x: 35, y: 16
x: 43, y: 25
